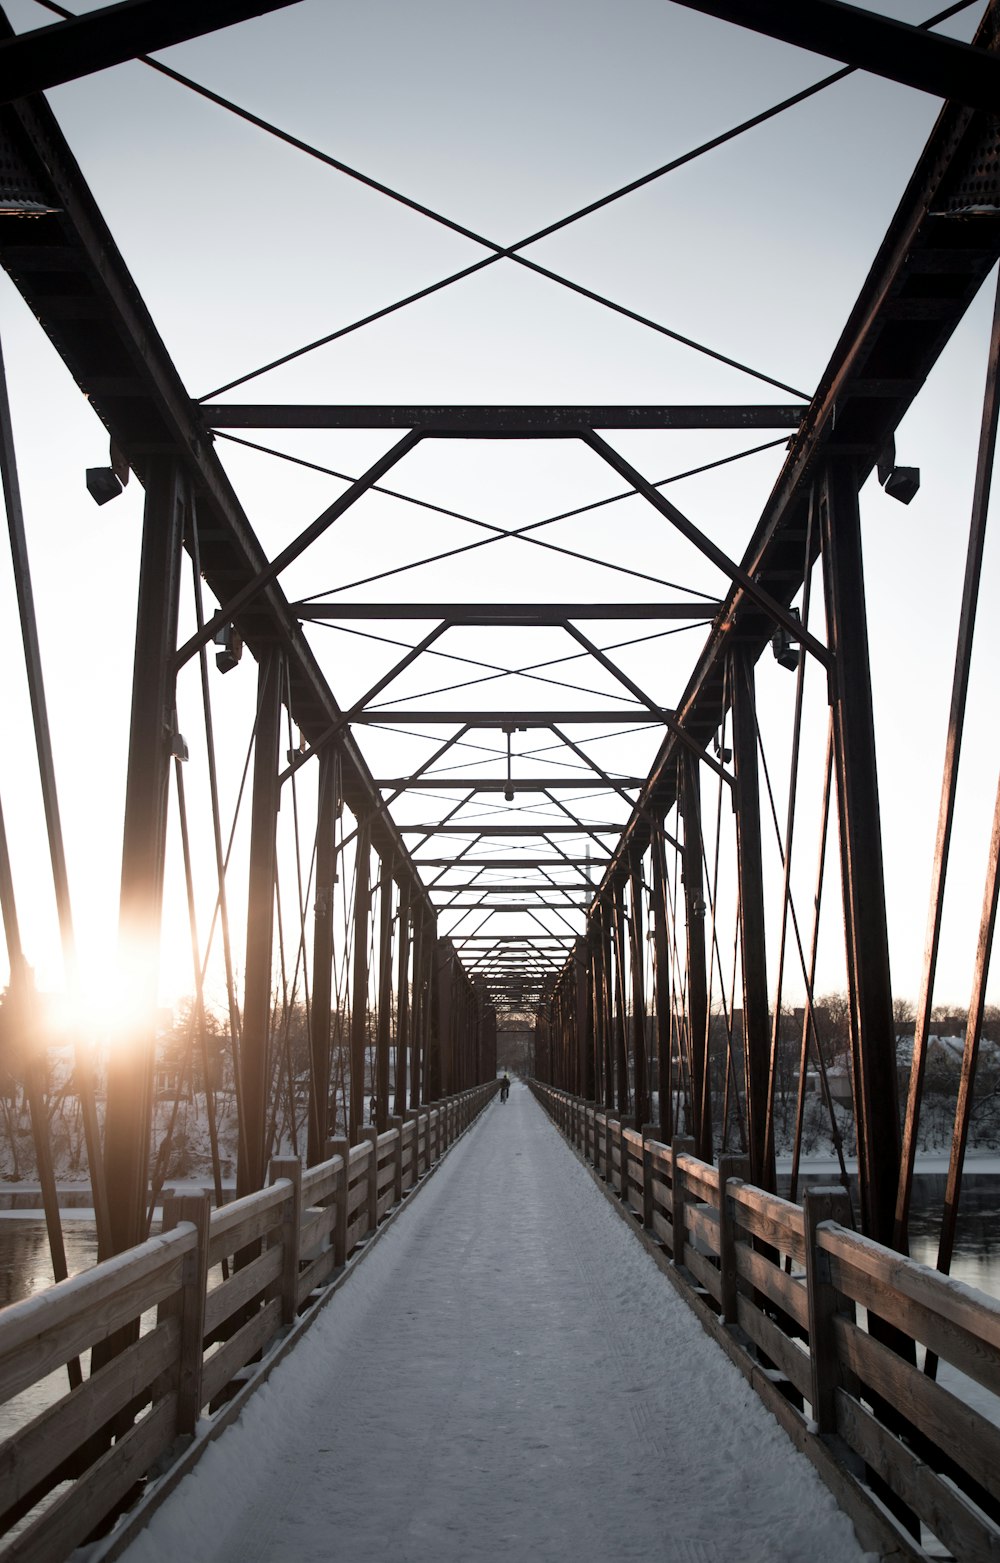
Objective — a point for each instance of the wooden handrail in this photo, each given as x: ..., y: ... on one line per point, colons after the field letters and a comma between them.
x: 800, y: 1325
x: 283, y: 1248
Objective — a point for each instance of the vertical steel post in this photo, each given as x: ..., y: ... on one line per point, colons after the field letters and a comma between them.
x: 620, y: 1005
x: 638, y: 997
x: 756, y: 1028
x: 694, y: 909
x: 359, y: 986
x: 585, y: 1022
x: 322, y: 972
x: 402, y: 1000
x: 872, y: 1029
x: 384, y: 1001
x: 664, y: 1071
x: 130, y: 1068
x: 255, y: 1049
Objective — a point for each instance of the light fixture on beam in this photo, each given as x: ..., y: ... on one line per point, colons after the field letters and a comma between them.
x: 104, y: 483
x: 784, y: 646
x: 230, y: 644
x: 899, y: 482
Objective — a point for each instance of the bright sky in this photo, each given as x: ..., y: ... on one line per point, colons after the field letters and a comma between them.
x: 504, y: 119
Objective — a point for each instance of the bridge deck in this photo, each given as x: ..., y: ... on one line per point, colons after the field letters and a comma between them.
x: 507, y: 1374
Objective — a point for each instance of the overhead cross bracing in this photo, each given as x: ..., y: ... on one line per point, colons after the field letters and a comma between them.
x: 585, y: 723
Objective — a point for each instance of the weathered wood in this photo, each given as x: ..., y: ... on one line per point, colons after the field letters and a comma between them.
x: 42, y: 1333
x: 227, y: 1300
x: 777, y: 1221
x: 341, y: 1149
x: 396, y: 1129
x: 683, y: 1146
x: 971, y: 1441
x: 788, y: 1358
x: 245, y: 1221
x: 190, y: 1305
x: 288, y: 1169
x: 704, y: 1272
x: 829, y: 1205
x: 952, y: 1300
x: 314, y: 1274
x: 702, y: 1180
x: 731, y: 1168
x: 966, y: 1531
x: 72, y: 1517
x: 773, y: 1283
x: 39, y: 1448
x: 703, y: 1225
x: 223, y: 1365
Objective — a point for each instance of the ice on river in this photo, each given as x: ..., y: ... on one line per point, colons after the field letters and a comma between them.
x: 507, y: 1375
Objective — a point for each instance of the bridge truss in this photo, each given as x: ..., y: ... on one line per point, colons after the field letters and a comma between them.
x: 623, y: 865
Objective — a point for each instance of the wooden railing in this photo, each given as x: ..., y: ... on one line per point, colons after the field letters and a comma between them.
x: 217, y: 1288
x: 831, y: 1328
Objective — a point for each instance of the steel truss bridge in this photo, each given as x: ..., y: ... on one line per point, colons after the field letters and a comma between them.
x: 624, y: 867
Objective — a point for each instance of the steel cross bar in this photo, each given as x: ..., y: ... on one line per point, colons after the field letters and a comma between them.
x: 718, y: 557
x: 500, y: 783
x: 508, y: 862
x: 270, y: 571
x: 671, y: 721
x: 501, y: 719
x: 498, y: 614
x: 464, y: 422
x: 880, y: 44
x: 63, y: 51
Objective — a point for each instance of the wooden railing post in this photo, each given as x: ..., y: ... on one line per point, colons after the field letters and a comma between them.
x: 609, y: 1166
x: 341, y: 1148
x: 197, y: 1209
x: 648, y: 1133
x: 683, y: 1145
x: 291, y: 1168
x: 397, y: 1192
x: 822, y: 1204
x: 735, y: 1167
x: 371, y: 1135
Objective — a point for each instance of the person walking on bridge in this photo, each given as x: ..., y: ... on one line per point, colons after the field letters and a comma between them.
x: 505, y: 1087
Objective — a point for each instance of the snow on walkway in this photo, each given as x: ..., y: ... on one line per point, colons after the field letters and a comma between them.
x: 506, y: 1375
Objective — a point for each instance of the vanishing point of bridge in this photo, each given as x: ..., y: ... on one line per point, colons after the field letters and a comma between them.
x: 619, y: 799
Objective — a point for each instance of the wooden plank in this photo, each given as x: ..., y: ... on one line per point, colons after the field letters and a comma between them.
x: 663, y: 1229
x: 967, y: 1438
x: 39, y: 1448
x: 36, y: 1342
x: 776, y: 1221
x: 778, y: 1287
x: 662, y: 1156
x: 700, y: 1179
x: 255, y: 1225
x: 952, y: 1301
x: 227, y: 1223
x: 703, y: 1223
x: 704, y: 1272
x: 951, y: 1342
x: 320, y: 1183
x: 316, y: 1225
x: 316, y: 1273
x: 356, y: 1231
x: 966, y: 1532
x: 783, y: 1352
x: 72, y: 1517
x: 241, y: 1288
x: 386, y: 1202
x: 357, y: 1196
x: 251, y: 1338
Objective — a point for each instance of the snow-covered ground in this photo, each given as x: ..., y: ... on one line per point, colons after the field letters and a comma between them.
x: 506, y: 1375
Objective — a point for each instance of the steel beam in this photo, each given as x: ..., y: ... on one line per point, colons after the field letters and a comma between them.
x: 501, y: 719
x: 756, y: 1028
x: 256, y: 1033
x: 320, y: 1015
x: 500, y: 614
x: 64, y: 51
x: 697, y: 975
x: 500, y: 783
x: 359, y: 976
x: 871, y: 42
x: 130, y: 1069
x: 872, y: 1029
x: 466, y: 422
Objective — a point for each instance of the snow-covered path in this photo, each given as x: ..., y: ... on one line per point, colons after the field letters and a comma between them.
x: 506, y: 1375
